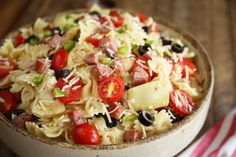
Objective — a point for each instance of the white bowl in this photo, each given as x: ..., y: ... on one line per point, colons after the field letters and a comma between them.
x: 163, y: 145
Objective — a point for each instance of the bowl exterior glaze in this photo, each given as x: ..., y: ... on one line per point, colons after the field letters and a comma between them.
x: 164, y: 145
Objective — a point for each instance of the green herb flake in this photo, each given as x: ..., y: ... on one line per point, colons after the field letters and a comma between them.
x: 47, y: 33
x: 37, y: 80
x: 69, y: 45
x: 131, y: 117
x: 68, y: 26
x: 59, y: 93
x: 123, y: 50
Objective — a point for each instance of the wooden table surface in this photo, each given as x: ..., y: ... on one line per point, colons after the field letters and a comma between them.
x: 212, y: 22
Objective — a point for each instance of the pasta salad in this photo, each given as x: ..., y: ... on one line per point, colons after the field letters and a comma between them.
x: 97, y: 77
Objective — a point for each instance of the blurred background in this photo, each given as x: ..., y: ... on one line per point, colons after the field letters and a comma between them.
x: 212, y: 22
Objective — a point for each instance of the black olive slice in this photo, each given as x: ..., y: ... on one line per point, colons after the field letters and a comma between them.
x: 177, y: 48
x: 146, y: 118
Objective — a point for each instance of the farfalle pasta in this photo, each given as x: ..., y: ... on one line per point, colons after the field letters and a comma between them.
x: 97, y: 77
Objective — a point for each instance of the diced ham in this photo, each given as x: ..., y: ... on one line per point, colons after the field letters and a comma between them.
x: 153, y: 27
x: 116, y: 110
x: 101, y: 71
x: 91, y: 58
x: 55, y: 41
x: 21, y: 119
x: 133, y: 135
x: 109, y: 45
x: 76, y: 116
x: 41, y: 65
x: 139, y: 76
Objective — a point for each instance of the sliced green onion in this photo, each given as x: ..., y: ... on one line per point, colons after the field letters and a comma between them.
x: 34, y: 41
x: 123, y: 29
x: 68, y: 26
x: 123, y: 50
x: 69, y: 45
x: 47, y: 33
x: 106, y: 61
x: 135, y: 48
x: 37, y: 80
x: 59, y: 93
x: 68, y: 16
x: 131, y: 117
x: 149, y: 42
x: 167, y: 53
x: 159, y: 54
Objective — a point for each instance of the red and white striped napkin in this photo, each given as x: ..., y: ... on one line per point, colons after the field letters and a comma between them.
x: 219, y: 141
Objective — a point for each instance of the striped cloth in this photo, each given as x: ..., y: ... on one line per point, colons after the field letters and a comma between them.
x: 219, y: 141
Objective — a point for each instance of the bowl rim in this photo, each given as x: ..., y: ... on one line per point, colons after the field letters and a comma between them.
x: 207, y: 94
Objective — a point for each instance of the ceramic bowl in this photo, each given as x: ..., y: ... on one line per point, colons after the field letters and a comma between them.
x: 166, y: 144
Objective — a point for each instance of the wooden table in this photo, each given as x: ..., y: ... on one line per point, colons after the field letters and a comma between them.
x: 212, y: 22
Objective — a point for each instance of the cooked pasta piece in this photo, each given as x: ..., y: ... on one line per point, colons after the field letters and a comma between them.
x: 39, y: 26
x: 32, y: 53
x: 162, y: 121
x: 6, y: 48
x: 33, y: 128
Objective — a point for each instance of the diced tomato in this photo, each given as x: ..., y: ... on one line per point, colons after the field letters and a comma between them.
x: 7, y: 102
x: 59, y: 59
x: 86, y: 134
x: 181, y: 102
x: 116, y: 18
x: 19, y: 39
x: 73, y: 91
x: 111, y: 89
x: 41, y: 65
x: 116, y: 110
x: 6, y: 66
x: 141, y: 17
x: 94, y: 39
x: 190, y: 65
x: 133, y: 135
